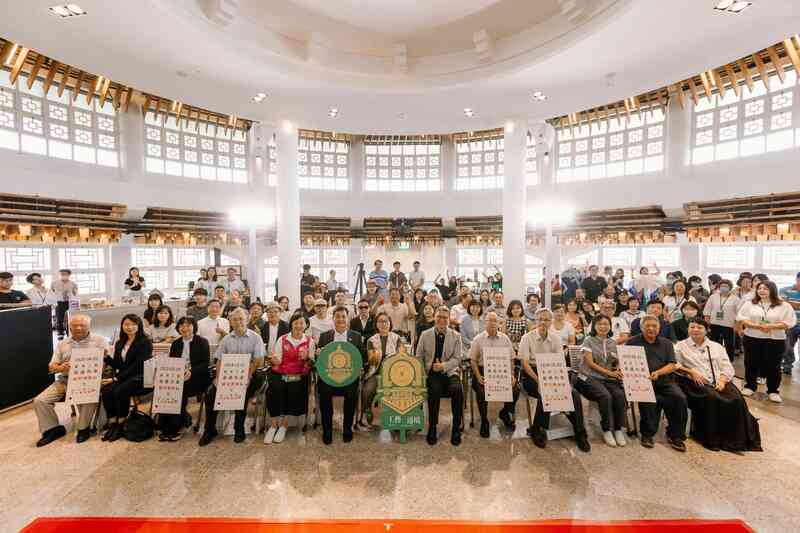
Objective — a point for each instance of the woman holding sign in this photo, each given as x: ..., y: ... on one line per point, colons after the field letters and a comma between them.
x: 600, y: 380
x: 130, y: 352
x: 287, y: 394
x: 380, y: 346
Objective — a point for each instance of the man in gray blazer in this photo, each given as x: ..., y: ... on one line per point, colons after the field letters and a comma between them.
x: 440, y: 351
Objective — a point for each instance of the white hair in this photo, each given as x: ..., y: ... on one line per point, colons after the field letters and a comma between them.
x: 81, y: 318
x: 238, y: 312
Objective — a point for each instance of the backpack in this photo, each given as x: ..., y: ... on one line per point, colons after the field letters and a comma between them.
x: 139, y: 427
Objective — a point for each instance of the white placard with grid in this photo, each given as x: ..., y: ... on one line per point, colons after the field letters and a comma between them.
x: 497, y: 374
x: 554, y: 385
x: 233, y: 376
x: 168, y: 391
x: 85, y: 375
x: 635, y: 374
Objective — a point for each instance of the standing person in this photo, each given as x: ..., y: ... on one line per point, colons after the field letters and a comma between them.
x: 379, y: 276
x: 485, y: 299
x: 631, y: 312
x: 213, y: 327
x: 44, y: 403
x: 790, y: 295
x: 363, y: 323
x: 154, y: 301
x: 674, y: 303
x: 134, y: 283
x: 416, y: 277
x: 399, y: 312
x: 765, y: 319
x: 320, y: 323
x: 234, y: 302
x: 255, y: 320
x: 208, y: 282
x: 307, y: 306
x: 308, y: 281
x: 697, y: 291
x: 459, y: 311
x: 424, y: 322
x: 419, y: 299
x: 491, y: 337
x: 600, y: 380
x: 340, y: 300
x: 669, y: 396
x: 285, y: 313
x: 37, y: 294
x: 65, y: 290
x: 199, y: 310
x: 233, y: 283
x: 443, y: 287
x: 720, y: 311
x: 397, y: 279
x: 274, y: 327
x: 239, y: 341
x: 195, y: 352
x: 594, y: 284
x: 339, y: 333
x: 131, y: 350
x: 439, y: 349
x: 472, y: 324
x: 646, y: 283
x: 542, y: 340
x: 11, y: 298
x: 720, y: 416
x: 622, y: 302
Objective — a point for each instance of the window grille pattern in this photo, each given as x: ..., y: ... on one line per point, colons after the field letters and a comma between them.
x: 480, y: 163
x: 662, y: 256
x: 483, y: 261
x: 323, y: 164
x: 735, y: 258
x: 395, y: 164
x: 619, y: 257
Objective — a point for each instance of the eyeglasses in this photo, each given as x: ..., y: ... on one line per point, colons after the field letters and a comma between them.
x: 363, y: 307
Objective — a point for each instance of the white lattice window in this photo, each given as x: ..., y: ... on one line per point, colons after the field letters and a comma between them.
x: 400, y: 164
x: 195, y: 149
x: 88, y: 266
x: 755, y: 122
x: 169, y: 269
x: 323, y: 260
x: 474, y: 263
x: 480, y: 163
x: 155, y: 279
x: 57, y: 126
x: 735, y: 258
x: 22, y: 261
x: 662, y: 256
x: 150, y: 256
x: 589, y: 258
x: 534, y: 271
x: 619, y: 256
x: 781, y: 257
x: 323, y: 164
x: 228, y: 260
x: 531, y: 170
x: 270, y: 275
x: 186, y: 257
x: 620, y: 146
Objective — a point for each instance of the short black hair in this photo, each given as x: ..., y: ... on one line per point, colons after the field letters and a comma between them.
x: 6, y: 275
x: 655, y: 302
x: 65, y: 271
x: 29, y: 277
x: 700, y: 320
x: 186, y: 320
x: 200, y: 291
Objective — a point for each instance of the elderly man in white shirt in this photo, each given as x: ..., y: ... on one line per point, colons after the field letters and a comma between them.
x: 213, y: 327
x: 720, y: 416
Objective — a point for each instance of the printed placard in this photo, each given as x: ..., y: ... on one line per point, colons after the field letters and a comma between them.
x: 554, y: 385
x: 148, y: 378
x: 635, y: 374
x: 575, y: 357
x: 168, y: 391
x: 497, y: 374
x: 232, y: 379
x: 161, y: 349
x: 85, y: 374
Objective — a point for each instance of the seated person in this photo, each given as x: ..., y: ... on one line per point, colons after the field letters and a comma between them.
x: 43, y: 404
x: 199, y: 310
x: 339, y: 333
x: 380, y: 346
x: 130, y: 352
x: 287, y: 391
x: 239, y: 341
x: 720, y: 417
x: 687, y: 312
x: 491, y: 337
x: 319, y: 322
x: 234, y: 302
x: 194, y: 350
x: 163, y: 327
x: 600, y: 380
x: 254, y: 321
x: 363, y: 323
x: 543, y: 340
x: 669, y: 397
x: 274, y: 327
x: 439, y: 348
x: 655, y: 309
x: 213, y: 327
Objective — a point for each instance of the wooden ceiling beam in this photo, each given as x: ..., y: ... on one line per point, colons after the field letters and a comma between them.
x: 705, y: 79
x: 104, y: 92
x: 17, y: 67
x: 77, y: 90
x: 681, y: 95
x: 762, y: 70
x: 745, y: 70
x: 776, y: 62
x: 718, y: 83
x: 51, y: 74
x: 117, y: 99
x: 732, y: 79
x: 693, y: 91
x: 791, y: 51
x: 37, y: 66
x: 64, y: 78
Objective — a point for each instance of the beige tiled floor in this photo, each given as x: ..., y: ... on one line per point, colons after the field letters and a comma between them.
x: 496, y: 479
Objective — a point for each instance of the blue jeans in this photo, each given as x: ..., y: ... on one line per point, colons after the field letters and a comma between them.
x: 791, y: 340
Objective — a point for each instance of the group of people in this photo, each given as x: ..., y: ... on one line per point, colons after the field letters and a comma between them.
x: 690, y: 334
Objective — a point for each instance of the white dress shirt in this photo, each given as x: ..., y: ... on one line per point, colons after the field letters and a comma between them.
x: 705, y: 357
x: 207, y: 328
x: 722, y: 309
x: 762, y: 312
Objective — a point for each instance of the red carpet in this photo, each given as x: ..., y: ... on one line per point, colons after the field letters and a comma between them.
x: 240, y: 525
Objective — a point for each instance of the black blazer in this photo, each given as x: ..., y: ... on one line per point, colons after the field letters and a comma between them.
x: 365, y: 332
x: 283, y: 329
x: 199, y: 357
x: 353, y: 337
x: 133, y: 365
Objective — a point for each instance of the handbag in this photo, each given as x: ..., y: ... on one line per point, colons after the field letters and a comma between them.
x: 139, y: 427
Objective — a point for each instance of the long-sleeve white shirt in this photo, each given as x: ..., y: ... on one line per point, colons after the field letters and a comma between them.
x: 702, y: 356
x: 763, y: 312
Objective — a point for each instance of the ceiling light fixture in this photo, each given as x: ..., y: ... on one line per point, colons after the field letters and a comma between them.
x: 260, y: 97
x: 539, y: 96
x: 67, y: 11
x: 732, y: 6
x: 333, y: 112
x: 468, y: 112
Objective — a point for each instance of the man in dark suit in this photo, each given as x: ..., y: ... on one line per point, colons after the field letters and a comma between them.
x: 655, y: 308
x: 339, y: 333
x: 274, y: 328
x: 363, y: 323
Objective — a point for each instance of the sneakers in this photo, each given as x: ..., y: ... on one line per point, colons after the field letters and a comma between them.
x: 608, y: 437
x: 270, y: 436
x: 170, y: 437
x: 677, y: 444
x: 619, y: 436
x: 432, y: 437
x: 50, y: 435
x: 279, y: 435
x: 647, y: 441
x: 775, y: 397
x: 747, y: 392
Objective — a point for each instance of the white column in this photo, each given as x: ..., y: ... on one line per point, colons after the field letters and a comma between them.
x: 514, y: 210
x: 679, y: 131
x: 544, y: 137
x: 255, y: 275
x: 258, y: 158
x: 690, y: 255
x: 450, y: 258
x: 131, y: 141
x: 288, y: 215
x: 120, y: 263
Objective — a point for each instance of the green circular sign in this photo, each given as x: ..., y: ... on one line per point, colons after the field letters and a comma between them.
x: 339, y: 364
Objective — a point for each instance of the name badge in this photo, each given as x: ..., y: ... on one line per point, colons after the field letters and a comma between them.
x: 720, y: 315
x: 290, y: 379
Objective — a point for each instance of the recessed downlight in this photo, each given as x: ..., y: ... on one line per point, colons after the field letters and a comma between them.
x: 538, y: 96
x: 260, y: 97
x: 333, y: 112
x: 468, y: 112
x: 67, y: 10
x: 732, y: 6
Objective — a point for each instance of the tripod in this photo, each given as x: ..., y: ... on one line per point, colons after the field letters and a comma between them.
x: 361, y: 282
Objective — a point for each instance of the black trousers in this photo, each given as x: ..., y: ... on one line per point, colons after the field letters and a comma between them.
x: 61, y: 318
x: 541, y: 419
x: 671, y: 399
x: 725, y: 336
x: 610, y: 397
x: 483, y: 405
x: 287, y: 398
x: 117, y: 396
x: 440, y: 386
x: 239, y: 416
x: 172, y: 424
x: 762, y: 357
x: 326, y: 394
